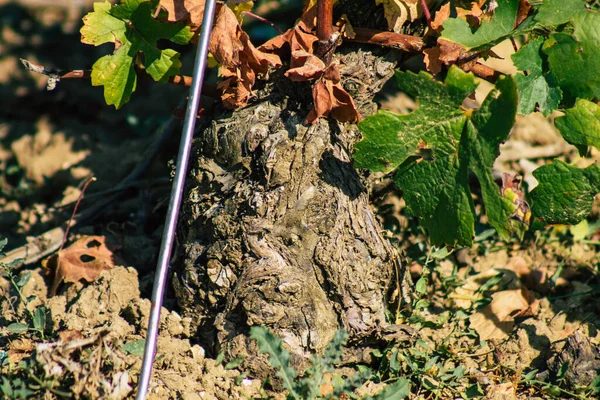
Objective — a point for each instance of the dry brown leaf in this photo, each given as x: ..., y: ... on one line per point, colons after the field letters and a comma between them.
x: 522, y: 12
x: 304, y: 66
x: 189, y: 11
x: 20, y: 349
x: 449, y: 51
x: 432, y: 60
x: 496, y: 320
x: 85, y: 259
x: 240, y: 60
x: 536, y: 279
x: 330, y: 98
x: 398, y: 12
x: 440, y: 17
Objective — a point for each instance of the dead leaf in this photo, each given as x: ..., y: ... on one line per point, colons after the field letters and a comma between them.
x: 330, y: 98
x: 536, y: 279
x: 440, y: 17
x: 189, y: 11
x: 304, y: 66
x: 432, y: 60
x: 240, y: 60
x: 496, y: 320
x: 449, y: 51
x: 522, y: 12
x: 19, y: 349
x: 85, y: 259
x: 398, y: 12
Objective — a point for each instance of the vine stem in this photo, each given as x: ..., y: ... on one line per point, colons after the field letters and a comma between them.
x: 426, y: 12
x: 324, y: 25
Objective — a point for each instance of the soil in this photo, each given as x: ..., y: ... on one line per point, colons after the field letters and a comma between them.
x: 51, y: 142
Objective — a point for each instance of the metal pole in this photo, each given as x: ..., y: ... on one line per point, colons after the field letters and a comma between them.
x: 176, y: 196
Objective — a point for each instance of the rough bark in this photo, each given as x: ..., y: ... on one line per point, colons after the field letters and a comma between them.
x: 277, y: 229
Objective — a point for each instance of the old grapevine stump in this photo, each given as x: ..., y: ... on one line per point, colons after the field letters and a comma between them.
x: 277, y: 229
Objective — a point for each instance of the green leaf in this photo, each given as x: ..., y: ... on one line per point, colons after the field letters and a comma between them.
x: 580, y: 125
x: 39, y: 318
x: 557, y: 12
x: 537, y: 90
x: 396, y: 391
x: 135, y: 348
x: 573, y: 58
x: 17, y: 328
x: 278, y: 357
x: 24, y: 279
x: 564, y: 194
x: 435, y: 147
x: 489, y: 33
x: 133, y: 30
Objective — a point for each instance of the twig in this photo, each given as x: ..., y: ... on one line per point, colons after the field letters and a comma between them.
x: 482, y: 71
x: 56, y: 74
x: 160, y: 181
x: 85, y: 185
x: 411, y: 44
x: 426, y: 13
x: 263, y: 20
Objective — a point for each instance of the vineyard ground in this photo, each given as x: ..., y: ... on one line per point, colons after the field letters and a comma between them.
x: 51, y: 141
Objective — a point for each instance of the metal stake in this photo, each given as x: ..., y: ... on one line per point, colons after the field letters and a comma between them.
x: 176, y: 196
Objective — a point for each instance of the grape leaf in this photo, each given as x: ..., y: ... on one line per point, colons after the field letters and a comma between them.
x: 489, y: 33
x: 580, y: 125
x: 537, y: 89
x: 557, y: 12
x: 133, y: 30
x: 564, y: 194
x: 435, y: 147
x: 573, y: 58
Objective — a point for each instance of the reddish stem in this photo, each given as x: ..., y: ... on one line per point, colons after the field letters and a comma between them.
x: 426, y: 12
x: 263, y: 20
x: 324, y: 25
x: 90, y: 180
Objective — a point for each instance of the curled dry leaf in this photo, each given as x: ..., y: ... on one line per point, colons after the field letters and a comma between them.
x: 496, y: 320
x: 399, y: 12
x: 85, y: 259
x: 240, y: 60
x: 189, y: 11
x: 329, y: 98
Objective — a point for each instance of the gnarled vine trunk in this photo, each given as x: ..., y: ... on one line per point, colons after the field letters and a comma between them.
x: 277, y: 229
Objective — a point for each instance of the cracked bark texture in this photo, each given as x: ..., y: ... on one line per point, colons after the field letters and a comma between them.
x: 277, y: 229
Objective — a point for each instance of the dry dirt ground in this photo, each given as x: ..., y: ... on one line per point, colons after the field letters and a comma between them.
x: 498, y: 321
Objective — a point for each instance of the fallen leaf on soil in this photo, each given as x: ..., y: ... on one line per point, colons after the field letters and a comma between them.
x: 496, y: 320
x: 44, y: 154
x: 19, y: 349
x: 85, y: 259
x: 240, y: 60
x: 464, y: 296
x: 536, y: 279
